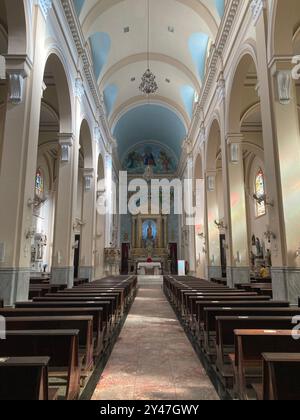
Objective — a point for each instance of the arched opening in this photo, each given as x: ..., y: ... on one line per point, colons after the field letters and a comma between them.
x: 85, y: 207
x: 216, y: 233
x: 200, y: 218
x: 100, y: 222
x: 249, y: 213
x: 55, y: 118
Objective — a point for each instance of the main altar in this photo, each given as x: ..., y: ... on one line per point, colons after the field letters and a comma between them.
x: 149, y: 244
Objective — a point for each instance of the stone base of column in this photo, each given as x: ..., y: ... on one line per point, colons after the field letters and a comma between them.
x: 286, y: 284
x: 214, y: 272
x: 86, y: 273
x: 14, y: 285
x: 237, y: 275
x: 63, y: 275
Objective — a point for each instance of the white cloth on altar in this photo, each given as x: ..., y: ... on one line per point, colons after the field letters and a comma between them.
x: 143, y: 268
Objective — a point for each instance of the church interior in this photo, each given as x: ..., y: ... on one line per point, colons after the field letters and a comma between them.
x: 149, y: 200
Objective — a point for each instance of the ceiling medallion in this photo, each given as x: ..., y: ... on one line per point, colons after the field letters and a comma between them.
x: 148, y: 85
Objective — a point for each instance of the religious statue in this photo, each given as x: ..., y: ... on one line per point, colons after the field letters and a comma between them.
x: 268, y: 258
x: 259, y: 251
x: 149, y: 232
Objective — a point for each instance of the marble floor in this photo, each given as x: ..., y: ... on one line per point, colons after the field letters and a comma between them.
x: 153, y: 359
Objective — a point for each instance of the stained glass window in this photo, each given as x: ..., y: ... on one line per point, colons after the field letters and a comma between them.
x: 39, y: 183
x: 260, y: 192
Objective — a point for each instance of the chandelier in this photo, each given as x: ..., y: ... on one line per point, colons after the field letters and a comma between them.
x: 148, y: 85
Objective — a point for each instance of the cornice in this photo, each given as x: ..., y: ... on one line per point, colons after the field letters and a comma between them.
x: 212, y: 65
x: 84, y: 54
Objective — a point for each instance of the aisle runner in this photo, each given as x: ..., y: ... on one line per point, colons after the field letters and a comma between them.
x: 153, y: 358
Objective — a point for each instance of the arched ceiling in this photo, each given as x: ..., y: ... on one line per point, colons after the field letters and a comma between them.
x: 180, y: 35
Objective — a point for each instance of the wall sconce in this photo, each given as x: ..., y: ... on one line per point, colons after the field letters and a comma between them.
x: 269, y: 235
x: 220, y: 225
x: 298, y: 252
x: 263, y: 199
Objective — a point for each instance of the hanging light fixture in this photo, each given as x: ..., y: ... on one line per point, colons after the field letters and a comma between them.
x: 148, y: 85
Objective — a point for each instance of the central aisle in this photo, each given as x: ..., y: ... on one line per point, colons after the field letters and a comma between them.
x: 153, y: 359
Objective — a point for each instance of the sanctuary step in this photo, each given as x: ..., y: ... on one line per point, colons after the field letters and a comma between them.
x: 150, y: 280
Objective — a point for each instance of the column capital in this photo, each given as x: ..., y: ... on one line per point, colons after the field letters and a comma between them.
x: 66, y: 141
x: 18, y: 68
x: 234, y: 138
x: 88, y: 175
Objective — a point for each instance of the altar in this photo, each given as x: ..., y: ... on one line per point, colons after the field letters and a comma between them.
x: 153, y: 268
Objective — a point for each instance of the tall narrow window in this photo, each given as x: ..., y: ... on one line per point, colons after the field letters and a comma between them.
x: 260, y: 191
x: 39, y: 183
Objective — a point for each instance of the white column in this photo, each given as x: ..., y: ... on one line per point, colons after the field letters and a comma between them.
x: 87, y: 229
x: 64, y: 238
x: 238, y: 232
x: 18, y: 166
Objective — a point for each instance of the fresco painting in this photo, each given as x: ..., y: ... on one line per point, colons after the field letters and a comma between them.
x: 161, y: 160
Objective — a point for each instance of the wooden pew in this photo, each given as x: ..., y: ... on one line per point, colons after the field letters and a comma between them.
x: 82, y: 323
x: 79, y: 297
x: 225, y: 327
x: 192, y: 300
x: 281, y: 372
x: 249, y: 347
x: 96, y: 313
x: 210, y: 314
x: 61, y: 346
x: 105, y: 305
x: 25, y: 379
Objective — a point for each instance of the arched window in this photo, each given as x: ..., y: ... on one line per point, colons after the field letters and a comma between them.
x: 260, y: 191
x: 39, y: 183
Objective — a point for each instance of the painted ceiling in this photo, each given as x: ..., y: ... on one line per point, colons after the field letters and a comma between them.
x: 180, y: 35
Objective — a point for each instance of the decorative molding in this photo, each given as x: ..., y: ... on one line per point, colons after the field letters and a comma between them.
x: 79, y: 88
x: 284, y: 85
x: 81, y: 46
x: 257, y: 7
x: 212, y: 65
x: 88, y: 175
x: 16, y: 86
x: 18, y: 68
x: 221, y: 88
x: 97, y: 135
x: 46, y: 6
x: 66, y: 141
x: 187, y: 146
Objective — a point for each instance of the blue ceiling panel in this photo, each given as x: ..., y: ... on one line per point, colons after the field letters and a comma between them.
x: 150, y: 122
